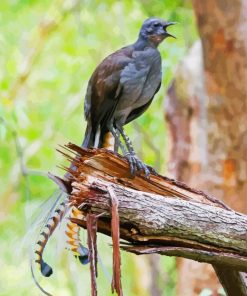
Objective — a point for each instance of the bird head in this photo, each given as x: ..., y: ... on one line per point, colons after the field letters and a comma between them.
x: 154, y: 30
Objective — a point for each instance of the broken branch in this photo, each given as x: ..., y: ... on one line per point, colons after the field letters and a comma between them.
x: 157, y: 215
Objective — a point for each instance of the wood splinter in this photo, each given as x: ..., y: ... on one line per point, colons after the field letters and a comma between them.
x: 158, y: 215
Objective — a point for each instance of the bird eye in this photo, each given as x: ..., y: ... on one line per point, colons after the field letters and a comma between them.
x: 156, y: 24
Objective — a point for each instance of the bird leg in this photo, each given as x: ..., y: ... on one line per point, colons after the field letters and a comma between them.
x: 131, y: 158
x: 116, y: 144
x: 128, y: 156
x: 134, y: 161
x: 116, y: 135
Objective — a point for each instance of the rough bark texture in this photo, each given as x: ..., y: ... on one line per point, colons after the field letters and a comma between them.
x: 157, y: 215
x: 206, y: 111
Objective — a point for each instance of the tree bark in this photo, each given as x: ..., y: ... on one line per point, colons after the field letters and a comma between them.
x: 154, y: 216
x: 206, y: 111
x: 223, y: 27
x: 157, y: 215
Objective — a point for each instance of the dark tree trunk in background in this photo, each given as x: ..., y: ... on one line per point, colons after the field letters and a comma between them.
x: 223, y: 30
x: 206, y: 109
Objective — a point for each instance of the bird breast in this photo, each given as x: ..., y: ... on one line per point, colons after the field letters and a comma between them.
x: 139, y: 80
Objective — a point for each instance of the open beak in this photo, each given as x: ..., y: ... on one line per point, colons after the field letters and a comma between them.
x: 166, y: 26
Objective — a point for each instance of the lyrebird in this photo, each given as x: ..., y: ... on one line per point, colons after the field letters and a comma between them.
x: 120, y: 89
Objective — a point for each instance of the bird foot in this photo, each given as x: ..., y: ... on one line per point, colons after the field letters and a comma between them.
x: 136, y: 165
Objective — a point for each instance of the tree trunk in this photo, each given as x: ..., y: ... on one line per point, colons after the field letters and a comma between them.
x: 206, y: 111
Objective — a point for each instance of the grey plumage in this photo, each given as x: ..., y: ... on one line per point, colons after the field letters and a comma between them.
x: 123, y: 86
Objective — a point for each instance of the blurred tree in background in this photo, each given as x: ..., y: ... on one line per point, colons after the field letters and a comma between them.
x: 206, y: 110
x: 48, y: 52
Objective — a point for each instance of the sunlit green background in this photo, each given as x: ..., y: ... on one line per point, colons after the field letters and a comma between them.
x: 48, y: 50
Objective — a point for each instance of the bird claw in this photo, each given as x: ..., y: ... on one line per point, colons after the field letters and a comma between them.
x: 136, y: 165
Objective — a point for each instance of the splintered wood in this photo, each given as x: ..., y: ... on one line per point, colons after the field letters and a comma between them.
x: 102, y: 164
x: 91, y: 221
x: 155, y: 215
x: 116, y: 279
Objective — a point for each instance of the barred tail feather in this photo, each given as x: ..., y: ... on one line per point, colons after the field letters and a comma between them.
x: 73, y: 234
x: 48, y: 230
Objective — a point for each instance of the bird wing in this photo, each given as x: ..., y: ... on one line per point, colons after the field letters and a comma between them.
x: 104, y: 87
x: 120, y: 77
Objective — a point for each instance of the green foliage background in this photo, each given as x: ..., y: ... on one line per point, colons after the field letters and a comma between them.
x: 48, y: 52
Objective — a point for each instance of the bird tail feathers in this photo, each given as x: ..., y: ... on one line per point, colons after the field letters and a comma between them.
x: 89, y: 137
x: 99, y: 139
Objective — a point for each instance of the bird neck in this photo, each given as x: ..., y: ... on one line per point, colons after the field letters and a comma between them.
x: 143, y: 42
